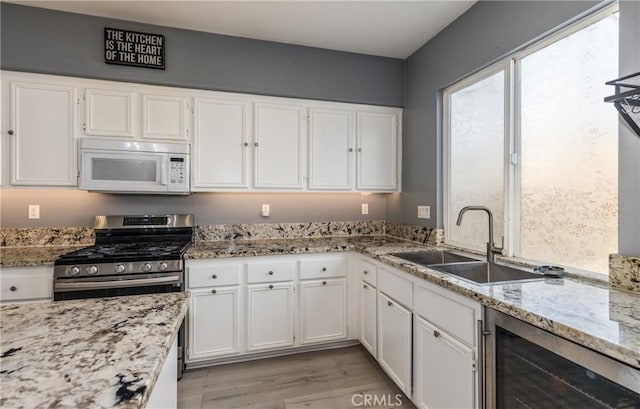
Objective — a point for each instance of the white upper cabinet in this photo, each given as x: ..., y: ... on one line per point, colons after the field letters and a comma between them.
x: 377, y: 151
x: 331, y: 149
x: 43, y: 134
x: 220, y: 139
x: 109, y: 113
x: 164, y: 117
x: 279, y: 146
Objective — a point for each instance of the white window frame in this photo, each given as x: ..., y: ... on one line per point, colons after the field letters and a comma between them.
x: 511, y: 66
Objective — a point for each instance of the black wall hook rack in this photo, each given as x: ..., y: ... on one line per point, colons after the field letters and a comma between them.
x: 627, y: 99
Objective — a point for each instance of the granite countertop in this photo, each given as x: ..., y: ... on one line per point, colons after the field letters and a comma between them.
x: 33, y: 256
x: 589, y: 313
x: 92, y: 353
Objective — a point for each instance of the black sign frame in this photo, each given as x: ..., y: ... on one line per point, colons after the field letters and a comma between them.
x: 116, y: 59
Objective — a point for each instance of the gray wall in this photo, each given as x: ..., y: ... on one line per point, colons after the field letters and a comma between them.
x: 489, y: 30
x: 629, y: 153
x: 54, y: 42
x: 60, y: 208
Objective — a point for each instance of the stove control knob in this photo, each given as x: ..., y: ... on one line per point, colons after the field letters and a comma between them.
x: 162, y: 266
x: 92, y: 270
x: 146, y: 267
x: 74, y: 271
x: 120, y: 268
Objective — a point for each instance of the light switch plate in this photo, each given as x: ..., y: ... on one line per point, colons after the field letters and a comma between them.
x: 424, y: 212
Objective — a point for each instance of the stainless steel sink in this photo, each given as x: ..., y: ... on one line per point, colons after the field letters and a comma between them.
x: 427, y: 258
x: 481, y: 272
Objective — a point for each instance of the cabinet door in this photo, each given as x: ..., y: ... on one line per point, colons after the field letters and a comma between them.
x: 331, y: 149
x: 323, y: 315
x: 270, y: 316
x: 164, y: 117
x: 377, y: 151
x: 43, y: 120
x: 368, y: 317
x: 279, y: 139
x: 394, y: 341
x: 109, y: 113
x: 219, y: 144
x: 214, y: 323
x: 443, y: 368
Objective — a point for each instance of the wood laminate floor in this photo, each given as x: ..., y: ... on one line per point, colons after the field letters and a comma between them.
x: 314, y: 380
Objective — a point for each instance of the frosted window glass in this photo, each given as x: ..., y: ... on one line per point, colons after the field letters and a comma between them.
x: 476, y: 143
x: 569, y: 174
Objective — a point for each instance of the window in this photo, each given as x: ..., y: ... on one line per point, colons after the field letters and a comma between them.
x: 541, y: 153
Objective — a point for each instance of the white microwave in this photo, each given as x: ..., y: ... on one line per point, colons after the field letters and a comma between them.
x: 121, y: 166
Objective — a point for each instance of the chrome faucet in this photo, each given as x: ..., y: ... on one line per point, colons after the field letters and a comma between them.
x: 492, y: 250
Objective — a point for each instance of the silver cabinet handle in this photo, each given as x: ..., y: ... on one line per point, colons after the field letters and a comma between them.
x: 324, y: 269
x: 270, y: 273
x: 365, y: 272
x: 364, y: 286
x: 246, y: 144
x: 271, y: 286
x: 10, y: 131
x: 324, y: 283
x: 436, y: 333
x: 13, y: 288
x: 389, y: 303
x: 255, y: 144
x: 213, y: 291
x: 350, y: 149
x: 214, y: 276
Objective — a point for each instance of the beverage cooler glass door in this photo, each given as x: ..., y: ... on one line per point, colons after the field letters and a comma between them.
x: 126, y: 172
x: 535, y: 369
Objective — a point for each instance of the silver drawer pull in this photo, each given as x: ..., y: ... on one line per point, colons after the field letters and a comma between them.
x: 324, y: 269
x: 214, y: 276
x: 436, y: 333
x: 365, y: 272
x: 13, y: 288
x: 364, y: 286
x: 389, y: 303
x: 324, y: 283
x: 214, y: 291
x: 270, y: 273
x: 271, y: 286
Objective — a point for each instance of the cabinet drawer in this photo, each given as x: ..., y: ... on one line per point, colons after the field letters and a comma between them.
x: 270, y: 271
x: 396, y: 287
x: 26, y: 285
x: 458, y: 319
x: 368, y: 272
x: 322, y: 268
x: 213, y: 274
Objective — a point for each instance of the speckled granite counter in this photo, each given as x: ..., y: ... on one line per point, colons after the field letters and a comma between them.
x: 594, y: 315
x: 94, y: 353
x: 33, y: 256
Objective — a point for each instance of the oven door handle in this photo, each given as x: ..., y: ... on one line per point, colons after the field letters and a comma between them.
x: 97, y: 285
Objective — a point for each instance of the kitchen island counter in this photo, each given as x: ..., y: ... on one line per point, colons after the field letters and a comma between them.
x: 90, y: 353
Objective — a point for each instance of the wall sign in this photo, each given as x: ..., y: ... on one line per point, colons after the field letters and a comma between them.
x: 133, y: 48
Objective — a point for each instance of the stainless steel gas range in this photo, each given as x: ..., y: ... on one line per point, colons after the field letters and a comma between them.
x: 132, y: 255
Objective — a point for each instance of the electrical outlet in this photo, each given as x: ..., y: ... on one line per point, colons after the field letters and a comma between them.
x: 424, y: 212
x: 365, y: 208
x: 34, y: 211
x: 266, y: 210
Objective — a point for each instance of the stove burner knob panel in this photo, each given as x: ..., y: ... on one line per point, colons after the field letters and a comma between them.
x: 74, y: 271
x: 146, y: 267
x: 162, y: 266
x: 120, y: 268
x: 92, y: 270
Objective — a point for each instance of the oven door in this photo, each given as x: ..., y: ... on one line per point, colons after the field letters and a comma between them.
x: 106, y: 286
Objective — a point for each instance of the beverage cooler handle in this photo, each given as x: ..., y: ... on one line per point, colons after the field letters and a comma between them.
x: 163, y: 170
x: 481, y: 367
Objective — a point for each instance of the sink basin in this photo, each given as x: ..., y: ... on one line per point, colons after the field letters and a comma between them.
x: 481, y: 272
x: 427, y: 258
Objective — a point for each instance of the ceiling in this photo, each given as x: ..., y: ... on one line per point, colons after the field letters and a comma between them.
x: 383, y: 28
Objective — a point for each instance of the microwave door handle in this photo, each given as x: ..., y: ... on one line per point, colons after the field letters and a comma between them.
x: 163, y: 170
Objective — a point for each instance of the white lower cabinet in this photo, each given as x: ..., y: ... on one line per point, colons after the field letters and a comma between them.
x: 270, y: 316
x: 323, y: 310
x: 443, y: 370
x: 23, y: 284
x: 394, y: 341
x: 214, y: 323
x: 368, y: 317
